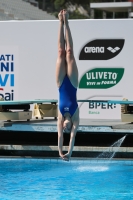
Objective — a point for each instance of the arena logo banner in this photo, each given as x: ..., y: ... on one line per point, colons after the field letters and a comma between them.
x: 101, y: 78
x: 101, y: 49
x: 8, y: 73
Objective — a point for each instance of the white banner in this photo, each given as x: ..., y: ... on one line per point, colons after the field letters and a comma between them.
x: 103, y: 51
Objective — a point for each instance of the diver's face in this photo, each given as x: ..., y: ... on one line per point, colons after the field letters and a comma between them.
x: 67, y: 126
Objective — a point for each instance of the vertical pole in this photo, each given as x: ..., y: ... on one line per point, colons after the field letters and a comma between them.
x: 104, y: 15
x: 129, y: 12
x: 92, y: 14
x: 114, y: 12
x: 113, y: 15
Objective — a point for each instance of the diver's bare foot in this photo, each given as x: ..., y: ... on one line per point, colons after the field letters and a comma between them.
x: 60, y: 16
x: 65, y: 16
x: 66, y: 157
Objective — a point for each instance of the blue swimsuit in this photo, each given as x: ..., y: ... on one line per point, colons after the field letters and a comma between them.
x: 67, y: 97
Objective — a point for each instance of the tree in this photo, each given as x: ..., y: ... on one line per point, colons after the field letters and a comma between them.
x: 59, y: 4
x: 54, y: 6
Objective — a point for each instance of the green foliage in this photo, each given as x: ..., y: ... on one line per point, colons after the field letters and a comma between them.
x: 79, y: 2
x: 73, y: 15
x: 54, y: 6
x: 77, y: 15
x: 59, y: 4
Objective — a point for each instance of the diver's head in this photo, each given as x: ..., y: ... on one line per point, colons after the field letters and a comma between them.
x: 67, y: 125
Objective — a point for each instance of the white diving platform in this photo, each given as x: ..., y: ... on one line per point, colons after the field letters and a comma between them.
x: 49, y: 124
x: 21, y: 102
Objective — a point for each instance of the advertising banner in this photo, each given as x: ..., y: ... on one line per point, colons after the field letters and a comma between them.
x: 103, y: 52
x: 8, y: 72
